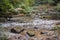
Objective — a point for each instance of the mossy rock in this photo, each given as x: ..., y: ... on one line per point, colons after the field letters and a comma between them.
x: 57, y: 27
x: 31, y: 33
x: 46, y: 17
x: 17, y: 30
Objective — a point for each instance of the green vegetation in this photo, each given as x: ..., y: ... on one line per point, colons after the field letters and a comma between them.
x: 52, y: 2
x: 58, y: 7
x: 7, y: 7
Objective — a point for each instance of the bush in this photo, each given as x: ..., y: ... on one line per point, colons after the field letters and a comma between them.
x: 58, y: 7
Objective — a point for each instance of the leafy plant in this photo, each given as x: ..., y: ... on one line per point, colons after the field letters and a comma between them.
x: 7, y: 5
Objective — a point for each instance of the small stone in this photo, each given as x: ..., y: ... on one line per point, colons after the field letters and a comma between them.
x: 35, y: 27
x: 43, y: 32
x: 30, y: 34
x: 48, y: 39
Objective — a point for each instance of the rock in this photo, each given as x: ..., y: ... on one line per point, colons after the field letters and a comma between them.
x: 15, y: 30
x: 43, y: 32
x: 31, y: 33
x: 35, y: 27
x: 47, y: 33
x: 48, y: 39
x: 52, y: 38
x: 58, y: 23
x: 32, y: 39
x: 50, y: 33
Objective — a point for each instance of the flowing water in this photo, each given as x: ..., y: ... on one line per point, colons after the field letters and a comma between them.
x: 36, y: 22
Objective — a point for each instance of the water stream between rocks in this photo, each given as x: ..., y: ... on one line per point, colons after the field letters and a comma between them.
x: 40, y: 23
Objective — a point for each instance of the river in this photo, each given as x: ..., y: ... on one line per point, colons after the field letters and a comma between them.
x: 40, y: 23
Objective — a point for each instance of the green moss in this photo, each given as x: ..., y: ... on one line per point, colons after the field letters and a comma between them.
x: 57, y: 27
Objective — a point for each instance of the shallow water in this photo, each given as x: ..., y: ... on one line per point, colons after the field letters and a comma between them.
x: 40, y: 23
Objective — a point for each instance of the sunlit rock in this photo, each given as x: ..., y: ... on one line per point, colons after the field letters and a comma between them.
x: 31, y: 33
x: 17, y: 30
